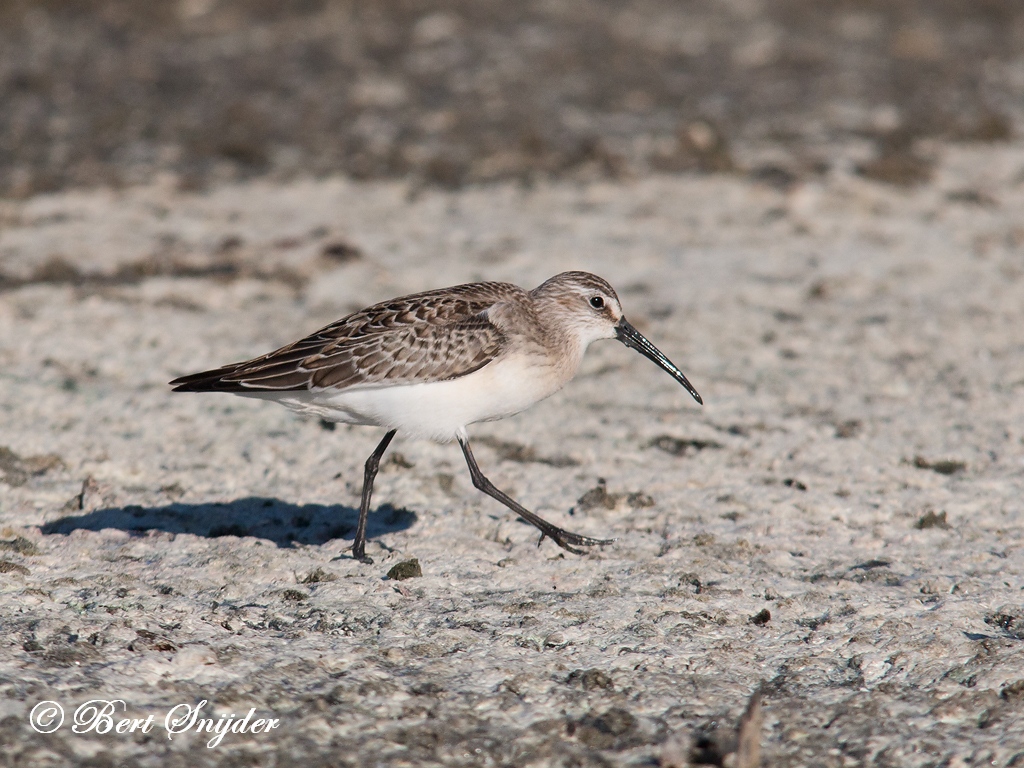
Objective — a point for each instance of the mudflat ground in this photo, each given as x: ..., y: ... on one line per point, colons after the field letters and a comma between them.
x: 818, y: 213
x: 454, y: 92
x: 853, y: 481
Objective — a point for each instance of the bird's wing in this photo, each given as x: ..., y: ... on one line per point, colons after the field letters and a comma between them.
x: 426, y: 337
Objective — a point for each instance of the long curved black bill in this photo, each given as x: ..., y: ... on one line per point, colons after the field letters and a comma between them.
x: 633, y: 339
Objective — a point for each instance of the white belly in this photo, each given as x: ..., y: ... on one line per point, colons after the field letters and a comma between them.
x: 436, y: 410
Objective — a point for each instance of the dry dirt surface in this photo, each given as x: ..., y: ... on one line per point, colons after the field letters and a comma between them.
x: 102, y: 92
x: 839, y: 527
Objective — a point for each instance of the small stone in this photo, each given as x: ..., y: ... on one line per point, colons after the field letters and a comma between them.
x: 639, y: 500
x: 554, y: 640
x: 931, y: 519
x: 341, y: 252
x: 942, y: 466
x: 318, y: 576
x: 596, y: 497
x: 21, y: 545
x: 615, y: 729
x: 1014, y: 690
x: 591, y: 679
x: 407, y: 569
x: 848, y: 429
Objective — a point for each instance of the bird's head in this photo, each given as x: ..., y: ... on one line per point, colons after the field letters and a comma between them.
x: 589, y: 308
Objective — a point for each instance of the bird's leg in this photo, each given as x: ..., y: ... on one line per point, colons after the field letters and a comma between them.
x: 369, y: 473
x: 564, y: 539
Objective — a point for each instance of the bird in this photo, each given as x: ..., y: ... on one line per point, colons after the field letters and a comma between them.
x: 430, y: 364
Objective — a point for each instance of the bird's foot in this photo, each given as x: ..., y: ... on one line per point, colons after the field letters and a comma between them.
x: 570, y: 541
x: 359, y: 553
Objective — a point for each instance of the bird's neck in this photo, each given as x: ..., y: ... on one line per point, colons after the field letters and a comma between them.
x: 561, y: 340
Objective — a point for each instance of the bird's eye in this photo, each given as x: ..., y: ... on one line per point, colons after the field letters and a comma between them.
x: 597, y: 302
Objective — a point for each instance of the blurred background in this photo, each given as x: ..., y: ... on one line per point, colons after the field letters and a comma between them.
x: 111, y: 92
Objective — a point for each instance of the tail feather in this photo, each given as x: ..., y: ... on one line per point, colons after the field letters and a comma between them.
x: 228, y: 379
x: 208, y: 381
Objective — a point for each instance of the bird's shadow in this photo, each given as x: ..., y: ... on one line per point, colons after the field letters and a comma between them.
x: 278, y: 521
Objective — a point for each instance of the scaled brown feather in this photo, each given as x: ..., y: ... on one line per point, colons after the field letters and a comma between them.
x: 432, y: 336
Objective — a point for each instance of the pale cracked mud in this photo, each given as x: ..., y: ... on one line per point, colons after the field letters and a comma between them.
x: 853, y: 482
